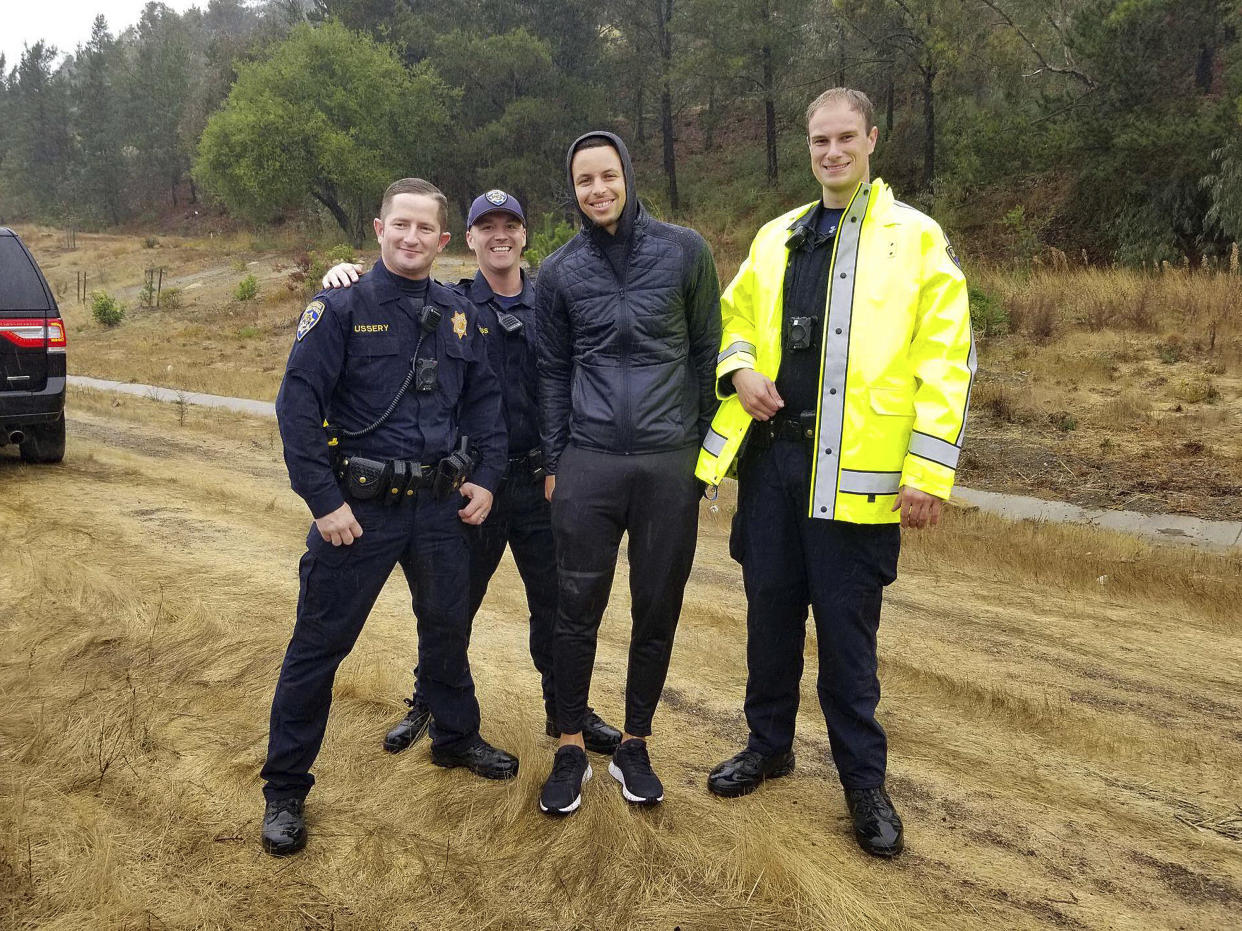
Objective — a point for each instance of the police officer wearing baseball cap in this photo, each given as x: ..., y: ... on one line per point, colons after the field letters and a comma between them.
x: 503, y: 297
x: 397, y: 371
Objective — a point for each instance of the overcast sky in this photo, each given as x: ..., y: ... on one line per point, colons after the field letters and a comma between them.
x: 66, y: 23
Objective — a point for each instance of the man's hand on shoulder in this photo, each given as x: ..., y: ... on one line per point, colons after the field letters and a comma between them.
x: 757, y: 394
x: 340, y: 528
x: 480, y: 503
x: 342, y: 275
x: 918, y: 508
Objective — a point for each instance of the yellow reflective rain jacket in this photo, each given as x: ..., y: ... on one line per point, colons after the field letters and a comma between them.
x: 898, y: 357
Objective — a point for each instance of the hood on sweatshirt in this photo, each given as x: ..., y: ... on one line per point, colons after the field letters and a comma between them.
x: 631, y: 209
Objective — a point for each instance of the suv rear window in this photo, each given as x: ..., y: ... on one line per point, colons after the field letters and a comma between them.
x: 20, y: 287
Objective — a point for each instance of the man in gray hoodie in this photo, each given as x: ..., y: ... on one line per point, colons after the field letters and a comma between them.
x: 628, y: 326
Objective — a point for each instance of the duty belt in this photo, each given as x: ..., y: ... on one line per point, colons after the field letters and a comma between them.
x: 529, y: 465
x: 784, y: 427
x: 393, y: 480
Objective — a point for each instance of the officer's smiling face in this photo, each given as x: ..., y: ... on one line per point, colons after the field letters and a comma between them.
x: 599, y: 184
x: 841, y: 150
x: 497, y: 240
x: 409, y: 235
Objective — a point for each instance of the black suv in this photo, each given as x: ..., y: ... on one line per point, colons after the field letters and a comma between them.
x: 32, y: 356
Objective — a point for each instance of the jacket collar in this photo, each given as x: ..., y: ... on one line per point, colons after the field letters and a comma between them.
x: 480, y: 292
x: 388, y: 286
x: 879, y: 205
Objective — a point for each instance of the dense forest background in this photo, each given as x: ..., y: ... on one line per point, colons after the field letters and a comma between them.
x: 1104, y: 128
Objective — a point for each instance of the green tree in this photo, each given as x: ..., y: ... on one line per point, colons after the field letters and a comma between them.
x: 330, y: 115
x: 38, y: 152
x: 161, y: 65
x: 101, y: 166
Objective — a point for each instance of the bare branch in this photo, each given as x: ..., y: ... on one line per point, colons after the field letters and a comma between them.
x: 1044, y: 65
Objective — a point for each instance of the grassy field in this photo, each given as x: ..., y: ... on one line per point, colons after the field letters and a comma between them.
x: 1103, y: 387
x: 1063, y: 708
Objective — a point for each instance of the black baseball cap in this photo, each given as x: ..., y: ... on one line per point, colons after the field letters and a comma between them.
x: 493, y: 201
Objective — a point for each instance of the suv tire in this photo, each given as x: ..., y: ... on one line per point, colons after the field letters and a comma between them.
x: 45, y: 442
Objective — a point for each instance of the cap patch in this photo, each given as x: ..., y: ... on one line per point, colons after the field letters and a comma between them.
x: 312, y: 315
x: 496, y: 197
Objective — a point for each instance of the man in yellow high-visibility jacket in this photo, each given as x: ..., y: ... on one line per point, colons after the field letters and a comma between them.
x: 845, y: 372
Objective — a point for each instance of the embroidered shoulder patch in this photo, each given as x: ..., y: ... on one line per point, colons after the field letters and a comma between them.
x: 310, y: 316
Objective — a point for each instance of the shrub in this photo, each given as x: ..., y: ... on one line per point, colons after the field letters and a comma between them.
x: 313, y: 267
x: 551, y: 235
x: 171, y: 298
x: 106, y: 309
x: 1170, y: 351
x: 146, y: 294
x: 1063, y: 421
x: 987, y: 314
x: 1195, y: 390
x: 247, y: 289
x: 150, y: 242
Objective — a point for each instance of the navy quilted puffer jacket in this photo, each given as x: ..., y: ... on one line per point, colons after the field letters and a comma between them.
x: 627, y: 347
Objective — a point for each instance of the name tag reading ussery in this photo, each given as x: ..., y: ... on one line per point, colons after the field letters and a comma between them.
x: 370, y: 327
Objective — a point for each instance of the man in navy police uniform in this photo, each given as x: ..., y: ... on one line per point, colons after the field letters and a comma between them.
x: 398, y: 369
x: 521, y: 517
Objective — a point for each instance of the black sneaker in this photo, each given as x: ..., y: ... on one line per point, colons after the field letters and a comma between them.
x: 598, y: 735
x: 562, y: 793
x: 631, y: 766
x: 877, y: 826
x: 409, y: 729
x: 284, y: 827
x: 480, y: 758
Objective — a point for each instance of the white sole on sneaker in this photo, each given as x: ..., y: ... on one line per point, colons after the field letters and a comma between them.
x: 572, y: 806
x: 616, y: 773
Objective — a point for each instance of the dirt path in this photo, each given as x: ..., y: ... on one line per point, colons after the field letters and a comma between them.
x: 1066, y: 753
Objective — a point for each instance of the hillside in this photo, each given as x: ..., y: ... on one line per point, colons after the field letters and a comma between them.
x: 1103, y: 387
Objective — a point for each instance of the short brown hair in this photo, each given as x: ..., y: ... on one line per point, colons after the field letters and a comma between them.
x: 416, y: 186
x: 857, y: 101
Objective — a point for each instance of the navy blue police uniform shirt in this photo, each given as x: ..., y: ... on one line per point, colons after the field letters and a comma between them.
x: 512, y: 356
x: 353, y: 349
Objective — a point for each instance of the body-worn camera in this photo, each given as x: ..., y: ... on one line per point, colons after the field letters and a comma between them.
x: 426, y: 374
x: 802, y: 333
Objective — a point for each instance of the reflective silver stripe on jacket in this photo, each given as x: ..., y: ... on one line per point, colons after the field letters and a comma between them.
x: 972, y: 363
x: 836, y: 341
x: 869, y: 483
x: 714, y: 443
x: 934, y: 449
x: 734, y: 349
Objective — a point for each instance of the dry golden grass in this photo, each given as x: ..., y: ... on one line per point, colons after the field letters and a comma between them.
x: 1115, y: 388
x: 1066, y: 752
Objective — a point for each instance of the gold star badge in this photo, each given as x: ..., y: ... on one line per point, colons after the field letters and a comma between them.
x: 459, y: 324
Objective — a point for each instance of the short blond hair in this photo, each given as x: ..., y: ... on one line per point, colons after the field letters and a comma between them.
x: 857, y: 101
x: 416, y: 186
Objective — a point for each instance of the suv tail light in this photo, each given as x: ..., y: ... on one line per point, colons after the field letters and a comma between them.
x: 35, y: 333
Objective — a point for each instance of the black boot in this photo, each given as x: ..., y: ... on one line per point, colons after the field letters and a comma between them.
x: 745, y: 772
x: 877, y: 826
x: 480, y: 758
x: 284, y: 827
x: 410, y: 728
x: 597, y: 734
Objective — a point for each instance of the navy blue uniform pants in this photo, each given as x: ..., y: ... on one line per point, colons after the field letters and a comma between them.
x: 789, y: 562
x: 599, y: 496
x: 522, y: 520
x: 339, y: 586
